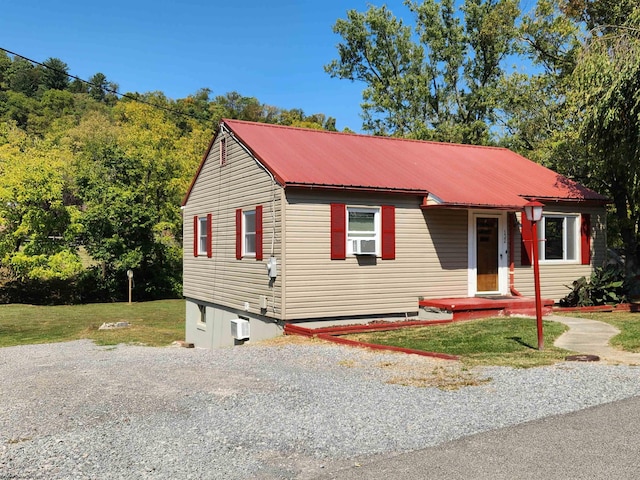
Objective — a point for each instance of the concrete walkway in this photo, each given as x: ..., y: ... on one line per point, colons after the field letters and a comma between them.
x: 592, y: 338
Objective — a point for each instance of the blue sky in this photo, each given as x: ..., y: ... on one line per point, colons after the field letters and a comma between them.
x: 274, y: 51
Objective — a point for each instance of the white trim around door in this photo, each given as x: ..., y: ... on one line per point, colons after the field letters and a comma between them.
x: 502, y: 252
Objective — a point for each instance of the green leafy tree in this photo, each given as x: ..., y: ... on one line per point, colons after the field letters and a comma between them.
x: 603, y: 15
x: 436, y: 81
x: 127, y: 176
x: 57, y: 103
x: 234, y: 105
x: 607, y: 96
x: 579, y: 114
x: 5, y: 63
x: 534, y: 116
x: 34, y: 219
x: 18, y: 107
x: 330, y: 124
x: 193, y: 108
x: 78, y: 86
x: 23, y: 77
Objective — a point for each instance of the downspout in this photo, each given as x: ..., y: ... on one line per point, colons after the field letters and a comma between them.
x: 511, y: 224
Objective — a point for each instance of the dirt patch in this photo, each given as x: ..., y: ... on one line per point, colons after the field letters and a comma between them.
x: 404, y: 369
x: 442, y: 377
x: 421, y: 372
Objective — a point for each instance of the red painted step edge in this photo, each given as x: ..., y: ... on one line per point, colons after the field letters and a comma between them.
x: 461, y: 315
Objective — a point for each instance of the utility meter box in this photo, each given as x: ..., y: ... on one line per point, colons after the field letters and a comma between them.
x: 240, y: 328
x: 272, y: 267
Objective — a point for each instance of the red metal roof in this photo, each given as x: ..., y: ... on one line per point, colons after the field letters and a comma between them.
x: 461, y: 175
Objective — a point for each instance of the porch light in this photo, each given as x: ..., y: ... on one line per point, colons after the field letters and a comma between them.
x: 533, y: 211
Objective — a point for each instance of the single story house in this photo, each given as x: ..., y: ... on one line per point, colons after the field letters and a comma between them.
x: 287, y: 224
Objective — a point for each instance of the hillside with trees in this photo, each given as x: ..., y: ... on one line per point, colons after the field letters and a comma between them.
x: 92, y: 181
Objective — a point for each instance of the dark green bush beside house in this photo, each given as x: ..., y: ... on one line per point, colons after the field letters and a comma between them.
x: 606, y: 285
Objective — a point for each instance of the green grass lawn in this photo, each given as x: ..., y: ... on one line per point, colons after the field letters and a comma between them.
x: 152, y: 323
x: 628, y: 323
x: 493, y: 341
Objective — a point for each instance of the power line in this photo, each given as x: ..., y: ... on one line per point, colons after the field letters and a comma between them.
x: 103, y: 87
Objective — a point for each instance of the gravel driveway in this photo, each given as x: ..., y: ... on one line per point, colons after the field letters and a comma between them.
x: 291, y: 410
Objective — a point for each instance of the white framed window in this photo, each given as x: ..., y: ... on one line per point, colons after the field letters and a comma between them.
x: 202, y: 235
x: 363, y: 231
x: 561, y: 237
x: 249, y: 233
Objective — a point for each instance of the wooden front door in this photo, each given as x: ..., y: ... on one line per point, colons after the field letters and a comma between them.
x: 487, y: 254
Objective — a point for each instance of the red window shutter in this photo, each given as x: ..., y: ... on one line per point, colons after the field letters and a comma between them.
x: 239, y: 233
x: 209, y: 236
x: 259, y: 232
x: 388, y: 232
x: 338, y: 231
x: 585, y: 238
x: 526, y: 251
x: 195, y: 236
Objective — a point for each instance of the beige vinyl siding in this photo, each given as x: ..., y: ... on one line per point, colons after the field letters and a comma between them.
x: 555, y: 279
x: 220, y: 190
x: 318, y: 287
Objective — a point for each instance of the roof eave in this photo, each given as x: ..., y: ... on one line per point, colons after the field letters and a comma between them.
x: 514, y: 207
x: 468, y: 206
x: 355, y: 188
x: 583, y: 201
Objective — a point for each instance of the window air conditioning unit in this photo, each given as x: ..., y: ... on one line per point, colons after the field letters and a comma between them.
x: 240, y: 328
x: 364, y: 246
